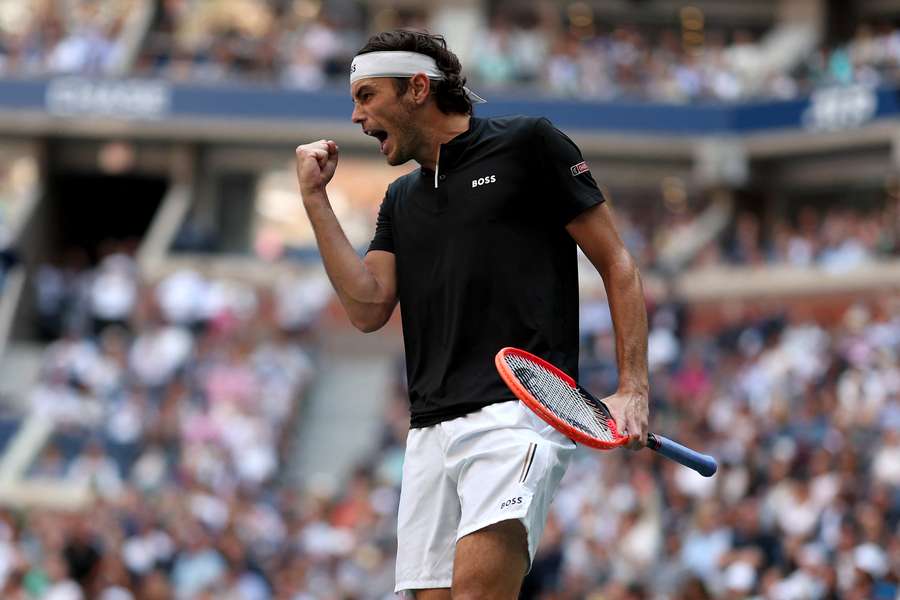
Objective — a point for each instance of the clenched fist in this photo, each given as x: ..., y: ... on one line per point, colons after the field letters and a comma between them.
x: 316, y: 163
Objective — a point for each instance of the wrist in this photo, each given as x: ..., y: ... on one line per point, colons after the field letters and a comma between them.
x: 641, y: 388
x: 313, y: 196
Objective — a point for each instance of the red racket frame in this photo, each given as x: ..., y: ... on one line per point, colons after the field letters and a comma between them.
x: 540, y: 410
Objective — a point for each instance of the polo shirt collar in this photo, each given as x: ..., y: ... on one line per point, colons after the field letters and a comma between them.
x: 452, y: 151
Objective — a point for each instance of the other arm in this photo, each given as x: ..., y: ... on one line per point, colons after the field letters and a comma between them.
x: 595, y: 233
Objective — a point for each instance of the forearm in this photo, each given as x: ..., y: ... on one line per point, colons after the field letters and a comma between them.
x: 357, y: 288
x: 629, y: 316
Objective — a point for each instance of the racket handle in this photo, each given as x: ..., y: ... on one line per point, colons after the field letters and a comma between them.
x: 702, y: 463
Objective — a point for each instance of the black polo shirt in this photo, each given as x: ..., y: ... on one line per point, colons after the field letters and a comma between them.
x: 484, y: 260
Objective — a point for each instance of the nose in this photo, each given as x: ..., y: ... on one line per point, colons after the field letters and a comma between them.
x: 357, y: 115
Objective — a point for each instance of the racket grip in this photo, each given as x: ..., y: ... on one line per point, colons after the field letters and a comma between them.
x: 702, y: 463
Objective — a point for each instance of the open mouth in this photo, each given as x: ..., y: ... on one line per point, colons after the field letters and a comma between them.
x: 381, y: 135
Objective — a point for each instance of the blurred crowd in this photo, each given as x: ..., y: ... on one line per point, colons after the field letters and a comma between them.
x: 526, y: 49
x: 836, y: 239
x: 175, y: 405
x: 805, y: 419
x: 568, y: 55
x: 871, y: 57
x: 309, y: 45
x: 626, y: 62
x: 72, y: 37
x: 172, y: 403
x: 633, y: 63
x: 666, y: 238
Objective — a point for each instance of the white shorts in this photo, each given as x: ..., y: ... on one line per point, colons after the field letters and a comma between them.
x: 501, y: 462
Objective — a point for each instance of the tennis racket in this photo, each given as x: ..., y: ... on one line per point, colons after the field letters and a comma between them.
x: 573, y: 411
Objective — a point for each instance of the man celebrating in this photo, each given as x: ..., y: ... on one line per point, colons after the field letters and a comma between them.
x: 478, y: 246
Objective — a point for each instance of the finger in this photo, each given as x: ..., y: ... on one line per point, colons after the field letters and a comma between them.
x: 643, y: 426
x: 634, y: 434
x: 310, y: 149
x: 320, y: 145
x: 630, y: 442
x: 333, y: 153
x: 619, y: 421
x: 317, y: 154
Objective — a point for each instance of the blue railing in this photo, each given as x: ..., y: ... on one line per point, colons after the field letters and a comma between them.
x: 150, y: 99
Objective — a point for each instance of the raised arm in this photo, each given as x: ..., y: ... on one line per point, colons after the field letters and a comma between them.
x: 366, y: 287
x: 594, y: 232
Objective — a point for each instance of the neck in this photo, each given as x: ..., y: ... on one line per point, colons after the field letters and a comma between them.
x: 443, y: 129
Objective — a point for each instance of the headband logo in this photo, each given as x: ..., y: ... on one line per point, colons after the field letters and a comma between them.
x: 353, y: 68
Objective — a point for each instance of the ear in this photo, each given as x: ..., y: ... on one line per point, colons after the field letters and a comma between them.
x: 420, y: 88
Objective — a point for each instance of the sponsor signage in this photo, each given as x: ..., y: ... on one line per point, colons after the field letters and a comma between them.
x: 844, y: 107
x: 122, y: 98
x: 829, y: 109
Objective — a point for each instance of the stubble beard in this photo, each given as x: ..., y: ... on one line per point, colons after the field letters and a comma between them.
x: 406, y: 139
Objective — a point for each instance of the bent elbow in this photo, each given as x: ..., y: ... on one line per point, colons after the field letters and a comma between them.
x: 368, y: 324
x: 369, y: 316
x: 368, y: 327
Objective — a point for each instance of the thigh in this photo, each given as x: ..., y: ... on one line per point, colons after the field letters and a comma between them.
x: 427, y: 519
x: 508, y: 464
x: 491, y: 562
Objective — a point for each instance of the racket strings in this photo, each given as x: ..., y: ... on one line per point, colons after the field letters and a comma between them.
x: 560, y: 398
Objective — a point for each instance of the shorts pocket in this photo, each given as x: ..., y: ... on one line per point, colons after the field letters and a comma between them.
x: 528, y: 463
x: 534, y: 465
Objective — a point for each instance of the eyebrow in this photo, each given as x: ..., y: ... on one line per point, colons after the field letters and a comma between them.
x: 363, y: 88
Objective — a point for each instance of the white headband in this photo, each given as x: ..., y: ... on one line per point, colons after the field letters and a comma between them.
x: 399, y: 64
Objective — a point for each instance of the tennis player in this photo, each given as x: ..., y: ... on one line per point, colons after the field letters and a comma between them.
x: 478, y: 246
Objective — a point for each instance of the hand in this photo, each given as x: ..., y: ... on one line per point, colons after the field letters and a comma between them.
x: 631, y: 413
x: 316, y: 163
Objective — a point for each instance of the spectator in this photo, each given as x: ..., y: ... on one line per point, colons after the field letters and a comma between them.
x: 804, y: 503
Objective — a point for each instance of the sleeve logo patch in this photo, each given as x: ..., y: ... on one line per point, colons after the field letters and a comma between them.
x: 580, y: 168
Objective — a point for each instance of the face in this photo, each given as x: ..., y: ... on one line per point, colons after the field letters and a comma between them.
x: 386, y: 116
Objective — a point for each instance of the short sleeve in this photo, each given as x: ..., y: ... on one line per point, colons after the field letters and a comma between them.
x: 569, y: 182
x: 384, y: 230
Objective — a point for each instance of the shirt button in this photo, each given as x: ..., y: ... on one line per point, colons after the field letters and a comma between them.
x: 442, y: 177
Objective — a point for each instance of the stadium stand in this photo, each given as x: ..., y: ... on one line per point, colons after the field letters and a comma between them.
x: 559, y: 54
x: 563, y: 53
x: 90, y: 38
x: 803, y: 507
x: 176, y: 347
x: 189, y: 390
x: 778, y: 398
x: 836, y: 239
